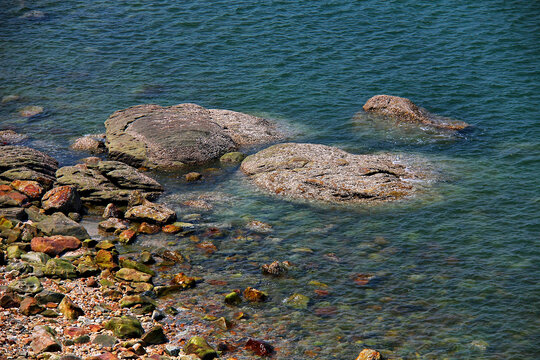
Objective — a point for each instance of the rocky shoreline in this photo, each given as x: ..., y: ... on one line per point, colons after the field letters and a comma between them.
x: 68, y: 295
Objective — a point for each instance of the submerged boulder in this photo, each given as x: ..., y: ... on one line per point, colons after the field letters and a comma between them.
x: 171, y: 137
x: 107, y: 181
x: 404, y: 109
x: 329, y: 174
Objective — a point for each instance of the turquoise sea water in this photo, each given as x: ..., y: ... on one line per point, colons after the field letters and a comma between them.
x: 457, y: 272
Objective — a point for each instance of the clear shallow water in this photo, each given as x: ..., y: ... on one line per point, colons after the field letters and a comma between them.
x: 458, y: 271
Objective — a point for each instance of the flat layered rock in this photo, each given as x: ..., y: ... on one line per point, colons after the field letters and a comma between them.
x: 107, y: 181
x: 171, y: 137
x: 23, y: 163
x: 403, y: 109
x: 329, y: 174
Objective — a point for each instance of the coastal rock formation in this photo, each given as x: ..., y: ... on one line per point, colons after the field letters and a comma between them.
x: 324, y: 173
x: 91, y: 143
x: 403, y: 109
x: 107, y: 181
x: 171, y: 137
x: 23, y: 163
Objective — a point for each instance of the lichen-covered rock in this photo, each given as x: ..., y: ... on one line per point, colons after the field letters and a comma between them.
x: 328, y: 174
x: 151, y: 212
x: 404, y: 109
x: 111, y: 211
x: 128, y: 274
x: 32, y: 189
x: 11, y: 198
x: 62, y: 198
x: 126, y: 263
x: 275, y: 268
x: 23, y: 163
x: 369, y: 354
x: 125, y: 327
x: 107, y: 181
x: 198, y: 345
x: 233, y: 298
x: 254, y: 295
x: 29, y: 285
x: 55, y: 245
x: 171, y: 137
x: 60, y: 268
x: 186, y: 282
x: 127, y: 236
x: 113, y: 225
x: 297, y: 301
x: 232, y: 157
x: 60, y: 224
x: 68, y: 308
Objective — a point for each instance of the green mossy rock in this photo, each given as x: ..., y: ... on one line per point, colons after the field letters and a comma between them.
x: 297, y: 301
x: 60, y: 268
x: 133, y: 275
x: 197, y: 345
x: 232, y: 157
x: 30, y: 285
x: 125, y: 327
x: 137, y: 266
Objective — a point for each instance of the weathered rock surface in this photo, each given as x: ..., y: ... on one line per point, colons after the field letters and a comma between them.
x: 369, y: 354
x: 32, y: 189
x: 55, y: 245
x: 91, y: 143
x: 125, y: 327
x: 44, y: 340
x: 10, y: 137
x: 404, y: 109
x: 198, y: 345
x: 148, y: 211
x: 62, y: 198
x: 107, y: 181
x: 23, y: 163
x: 171, y: 137
x: 57, y: 224
x: 328, y: 174
x: 68, y: 308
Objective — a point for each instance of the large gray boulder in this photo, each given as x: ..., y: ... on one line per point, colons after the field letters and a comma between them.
x: 107, y: 181
x: 403, y: 109
x: 23, y: 163
x: 329, y: 174
x: 172, y: 137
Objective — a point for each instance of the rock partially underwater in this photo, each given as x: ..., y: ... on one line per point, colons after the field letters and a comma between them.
x: 403, y: 109
x: 172, y: 137
x: 329, y: 174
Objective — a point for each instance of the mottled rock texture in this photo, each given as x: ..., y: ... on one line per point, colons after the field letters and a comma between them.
x: 404, y: 109
x: 329, y: 174
x: 23, y: 163
x: 171, y: 137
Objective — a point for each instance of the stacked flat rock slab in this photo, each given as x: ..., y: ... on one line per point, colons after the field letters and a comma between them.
x: 23, y: 163
x: 107, y: 181
x: 21, y: 169
x: 328, y: 174
x: 171, y: 137
x: 403, y: 109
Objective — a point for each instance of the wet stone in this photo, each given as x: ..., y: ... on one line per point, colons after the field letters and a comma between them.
x: 259, y: 348
x: 69, y: 309
x: 192, y: 176
x: 369, y: 354
x: 146, y: 228
x: 155, y: 336
x: 44, y: 340
x: 112, y: 211
x: 63, y: 198
x: 199, y: 346
x: 137, y: 266
x: 297, y: 301
x: 255, y: 295
x: 233, y: 298
x: 32, y: 189
x: 128, y: 274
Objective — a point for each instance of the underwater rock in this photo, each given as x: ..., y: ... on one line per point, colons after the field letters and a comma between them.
x: 276, y: 268
x: 31, y: 110
x: 404, y: 109
x: 369, y: 354
x: 260, y: 348
x: 172, y: 137
x: 9, y: 137
x: 255, y: 295
x: 329, y: 174
x: 199, y: 346
x: 192, y: 176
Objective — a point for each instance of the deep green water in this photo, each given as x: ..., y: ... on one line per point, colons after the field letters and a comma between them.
x: 458, y: 270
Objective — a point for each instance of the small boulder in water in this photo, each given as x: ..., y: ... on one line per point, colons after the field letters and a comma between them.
x: 31, y: 110
x: 34, y: 15
x: 369, y: 354
x: 404, y: 109
x: 8, y: 137
x: 91, y: 143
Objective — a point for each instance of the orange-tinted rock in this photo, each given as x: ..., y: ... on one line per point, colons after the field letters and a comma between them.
x: 29, y: 306
x: 127, y: 236
x: 171, y: 229
x: 55, y: 245
x: 12, y: 198
x: 192, y: 176
x: 207, y: 246
x: 369, y: 354
x: 363, y: 279
x: 75, y: 332
x: 183, y: 280
x: 43, y: 340
x: 260, y: 348
x: 105, y: 356
x: 32, y: 189
x: 147, y: 228
x: 9, y: 299
x: 254, y: 295
x: 63, y: 198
